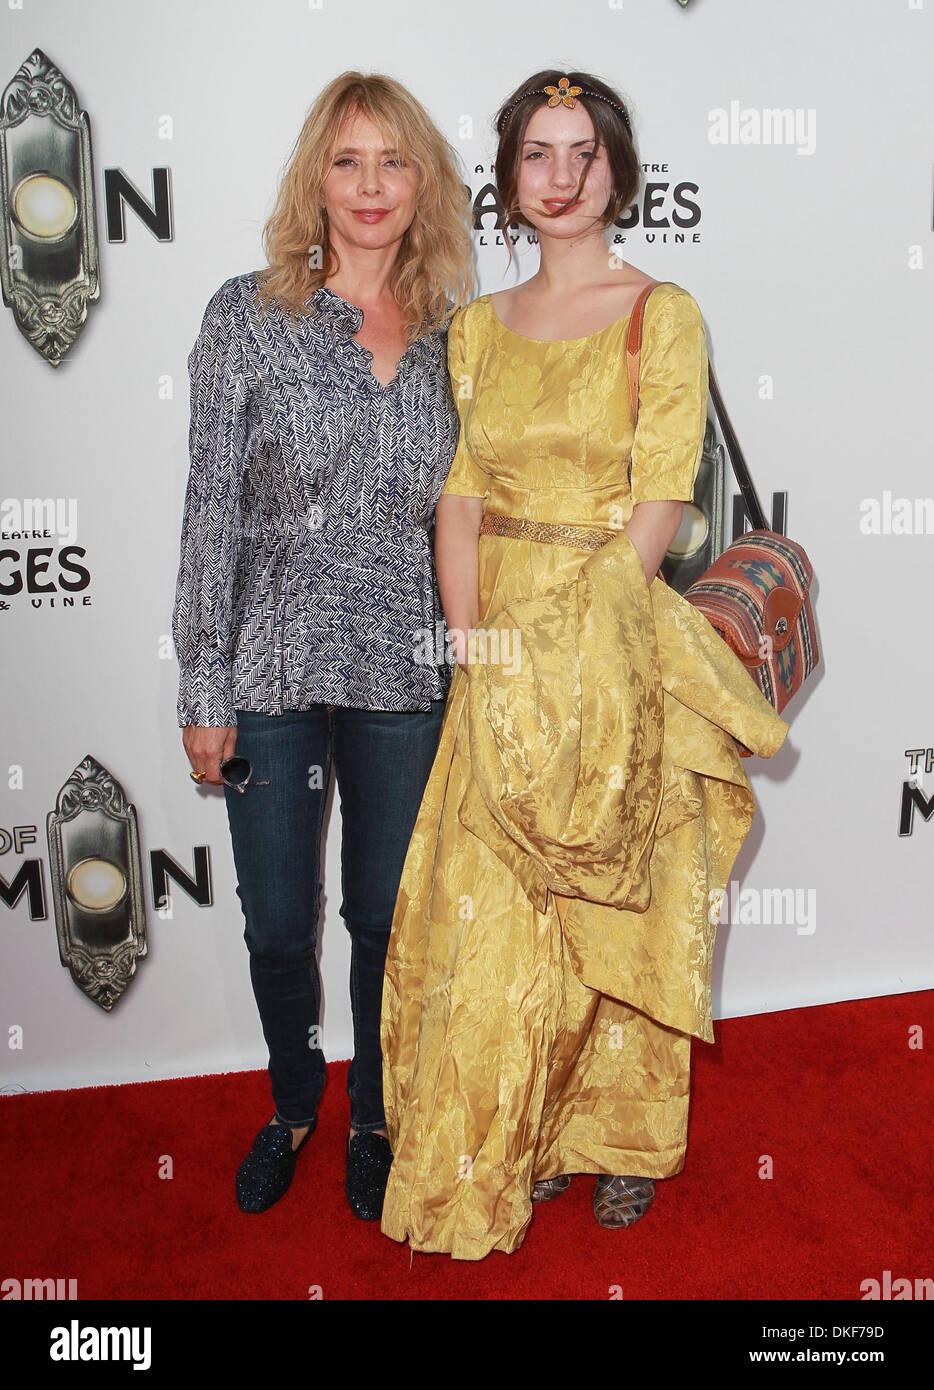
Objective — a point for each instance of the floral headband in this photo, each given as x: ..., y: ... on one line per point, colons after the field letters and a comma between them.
x: 563, y: 95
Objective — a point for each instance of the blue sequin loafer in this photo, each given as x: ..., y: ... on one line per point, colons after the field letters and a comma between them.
x: 267, y: 1171
x: 369, y: 1159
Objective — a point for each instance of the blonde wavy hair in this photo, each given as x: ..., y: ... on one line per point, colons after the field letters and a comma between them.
x: 433, y: 274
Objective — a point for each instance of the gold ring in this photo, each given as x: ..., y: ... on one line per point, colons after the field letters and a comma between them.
x: 197, y: 776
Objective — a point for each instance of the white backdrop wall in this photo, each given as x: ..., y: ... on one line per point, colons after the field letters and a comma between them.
x: 809, y: 261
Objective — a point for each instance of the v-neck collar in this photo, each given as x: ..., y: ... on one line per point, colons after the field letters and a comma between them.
x: 344, y: 319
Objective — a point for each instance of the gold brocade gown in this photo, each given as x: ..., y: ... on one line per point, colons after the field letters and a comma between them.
x: 553, y: 935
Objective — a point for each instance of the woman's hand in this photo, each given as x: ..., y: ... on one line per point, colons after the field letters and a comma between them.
x: 651, y: 528
x: 207, y: 747
x: 458, y: 640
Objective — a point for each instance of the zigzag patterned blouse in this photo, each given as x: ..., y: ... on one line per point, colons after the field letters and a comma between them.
x: 306, y: 571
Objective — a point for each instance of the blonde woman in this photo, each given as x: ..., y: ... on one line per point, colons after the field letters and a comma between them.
x: 322, y: 428
x: 551, y: 950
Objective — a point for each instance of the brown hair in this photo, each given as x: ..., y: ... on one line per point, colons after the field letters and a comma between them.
x: 611, y: 133
x: 435, y: 259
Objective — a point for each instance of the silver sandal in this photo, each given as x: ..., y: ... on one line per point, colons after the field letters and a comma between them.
x: 550, y: 1187
x: 619, y: 1201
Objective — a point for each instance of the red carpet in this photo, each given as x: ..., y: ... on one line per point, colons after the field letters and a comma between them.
x: 834, y: 1095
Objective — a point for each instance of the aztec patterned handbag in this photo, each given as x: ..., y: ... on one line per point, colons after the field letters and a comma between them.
x: 755, y: 594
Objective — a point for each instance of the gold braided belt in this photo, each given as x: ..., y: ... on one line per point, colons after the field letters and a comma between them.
x: 552, y: 532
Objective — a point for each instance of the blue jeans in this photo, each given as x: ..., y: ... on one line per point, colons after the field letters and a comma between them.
x: 382, y: 760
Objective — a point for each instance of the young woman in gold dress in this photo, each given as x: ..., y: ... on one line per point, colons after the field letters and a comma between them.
x: 552, y: 941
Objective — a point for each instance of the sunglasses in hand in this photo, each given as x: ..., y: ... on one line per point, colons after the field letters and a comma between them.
x: 237, y: 773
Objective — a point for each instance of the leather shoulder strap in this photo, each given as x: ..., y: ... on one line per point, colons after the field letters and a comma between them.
x: 634, y: 344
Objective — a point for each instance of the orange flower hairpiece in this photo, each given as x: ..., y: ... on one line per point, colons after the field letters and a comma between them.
x: 564, y: 92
